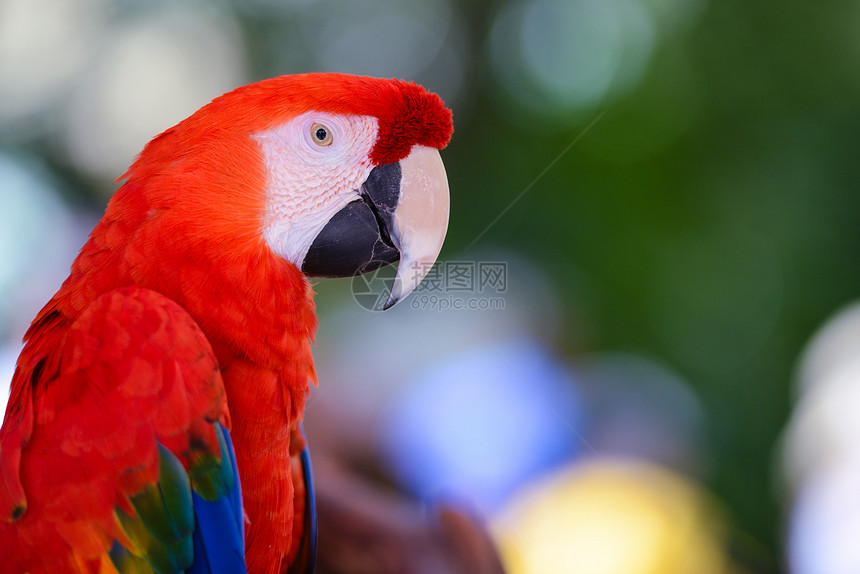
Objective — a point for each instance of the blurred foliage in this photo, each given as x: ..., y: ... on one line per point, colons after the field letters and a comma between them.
x: 709, y: 217
x: 718, y: 244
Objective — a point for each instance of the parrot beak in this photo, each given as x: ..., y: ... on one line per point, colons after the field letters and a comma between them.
x: 402, y: 214
x: 420, y: 221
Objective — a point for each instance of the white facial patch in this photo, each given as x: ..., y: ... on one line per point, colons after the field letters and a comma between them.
x: 307, y: 182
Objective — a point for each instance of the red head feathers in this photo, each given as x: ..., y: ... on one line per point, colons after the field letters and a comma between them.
x: 408, y: 114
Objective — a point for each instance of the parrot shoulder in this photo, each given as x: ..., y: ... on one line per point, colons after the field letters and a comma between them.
x: 124, y: 458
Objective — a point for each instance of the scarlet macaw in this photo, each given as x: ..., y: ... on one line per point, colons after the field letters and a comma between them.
x: 174, y: 362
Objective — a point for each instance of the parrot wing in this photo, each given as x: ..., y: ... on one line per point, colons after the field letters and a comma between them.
x: 128, y: 466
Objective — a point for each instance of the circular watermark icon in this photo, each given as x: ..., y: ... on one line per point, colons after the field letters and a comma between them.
x: 372, y: 286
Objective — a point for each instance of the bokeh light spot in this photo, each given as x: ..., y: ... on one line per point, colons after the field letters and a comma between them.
x: 560, y: 56
x: 44, y: 46
x: 156, y: 70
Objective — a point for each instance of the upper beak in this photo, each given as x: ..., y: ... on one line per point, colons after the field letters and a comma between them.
x: 402, y: 214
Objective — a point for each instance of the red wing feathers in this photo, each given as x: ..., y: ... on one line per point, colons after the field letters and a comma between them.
x: 135, y: 371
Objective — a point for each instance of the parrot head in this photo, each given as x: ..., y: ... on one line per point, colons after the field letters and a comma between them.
x: 337, y: 174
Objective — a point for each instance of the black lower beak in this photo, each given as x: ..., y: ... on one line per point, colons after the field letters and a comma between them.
x: 358, y: 238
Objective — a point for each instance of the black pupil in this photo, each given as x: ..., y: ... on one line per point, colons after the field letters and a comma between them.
x: 321, y: 134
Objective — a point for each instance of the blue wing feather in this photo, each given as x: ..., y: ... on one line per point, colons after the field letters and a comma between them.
x: 310, y: 508
x: 219, y: 535
x: 235, y: 495
x: 305, y: 560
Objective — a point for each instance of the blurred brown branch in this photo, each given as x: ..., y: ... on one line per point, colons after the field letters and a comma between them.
x: 366, y: 529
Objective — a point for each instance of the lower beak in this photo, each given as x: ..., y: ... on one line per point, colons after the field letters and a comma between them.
x: 402, y: 214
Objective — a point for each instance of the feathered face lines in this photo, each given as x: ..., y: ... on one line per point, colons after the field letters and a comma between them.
x: 315, y: 163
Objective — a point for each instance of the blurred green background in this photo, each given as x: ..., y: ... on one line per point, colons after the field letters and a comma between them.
x: 708, y: 217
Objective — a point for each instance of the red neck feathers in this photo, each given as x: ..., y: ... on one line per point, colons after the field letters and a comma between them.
x: 204, y: 251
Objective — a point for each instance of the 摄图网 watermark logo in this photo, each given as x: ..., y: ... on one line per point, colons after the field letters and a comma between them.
x: 447, y: 286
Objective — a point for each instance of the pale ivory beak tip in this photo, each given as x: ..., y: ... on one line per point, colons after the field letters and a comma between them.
x: 420, y: 219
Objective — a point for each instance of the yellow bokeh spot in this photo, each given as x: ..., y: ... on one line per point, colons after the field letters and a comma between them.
x: 611, y: 517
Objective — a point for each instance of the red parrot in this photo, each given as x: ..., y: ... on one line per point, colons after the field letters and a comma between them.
x: 173, y: 364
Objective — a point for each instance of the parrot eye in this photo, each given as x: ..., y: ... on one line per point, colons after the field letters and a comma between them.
x: 321, y: 134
